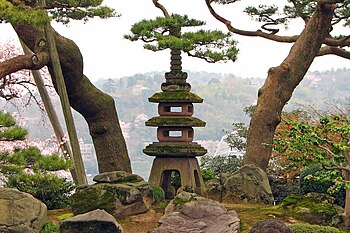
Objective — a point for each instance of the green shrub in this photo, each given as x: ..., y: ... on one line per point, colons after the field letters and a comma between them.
x: 158, y: 194
x: 53, y: 163
x: 6, y: 120
x: 50, y: 227
x: 13, y: 133
x: 311, y: 185
x: 50, y: 189
x: 307, y: 228
x: 220, y: 164
x: 207, y: 174
x: 282, y: 189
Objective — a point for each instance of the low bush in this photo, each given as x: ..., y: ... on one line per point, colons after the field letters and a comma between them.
x: 50, y: 189
x: 307, y: 228
x: 282, y: 189
x: 311, y: 185
x: 50, y: 227
x: 158, y: 194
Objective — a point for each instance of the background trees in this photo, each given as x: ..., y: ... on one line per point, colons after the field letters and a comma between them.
x: 319, y: 18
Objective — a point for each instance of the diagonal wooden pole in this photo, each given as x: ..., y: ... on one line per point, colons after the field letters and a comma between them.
x: 62, y: 92
x: 51, y: 113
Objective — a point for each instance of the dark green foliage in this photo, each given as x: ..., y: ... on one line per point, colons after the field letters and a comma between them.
x: 11, y: 169
x: 9, y: 131
x: 50, y: 189
x: 64, y: 16
x: 307, y: 228
x: 19, y: 14
x: 13, y: 133
x: 62, y: 11
x: 50, y: 227
x: 165, y: 33
x: 53, y: 163
x: 225, y: 1
x: 175, y: 180
x: 158, y: 194
x: 207, y: 174
x: 281, y: 188
x: 237, y: 136
x: 220, y: 164
x: 6, y: 120
x: 312, y: 185
x: 31, y: 157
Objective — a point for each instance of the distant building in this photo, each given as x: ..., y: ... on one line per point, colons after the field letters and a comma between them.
x: 87, y: 149
x: 224, y: 149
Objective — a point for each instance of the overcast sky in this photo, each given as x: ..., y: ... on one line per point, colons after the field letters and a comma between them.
x: 108, y: 55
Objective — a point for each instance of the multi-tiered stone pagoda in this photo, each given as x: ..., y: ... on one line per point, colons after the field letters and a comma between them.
x: 176, y: 151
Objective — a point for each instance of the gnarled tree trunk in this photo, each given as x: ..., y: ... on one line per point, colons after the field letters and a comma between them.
x: 96, y: 107
x: 280, y: 84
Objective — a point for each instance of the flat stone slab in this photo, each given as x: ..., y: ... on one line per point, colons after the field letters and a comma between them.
x: 175, y: 97
x: 117, y: 177
x: 97, y: 221
x: 175, y: 149
x: 177, y: 121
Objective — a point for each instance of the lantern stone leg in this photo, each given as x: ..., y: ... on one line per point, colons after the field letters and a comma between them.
x: 187, y: 168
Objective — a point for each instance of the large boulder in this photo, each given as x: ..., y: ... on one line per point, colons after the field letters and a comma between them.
x: 249, y: 184
x: 270, y: 226
x: 20, y: 212
x: 119, y: 193
x: 188, y: 212
x: 97, y: 221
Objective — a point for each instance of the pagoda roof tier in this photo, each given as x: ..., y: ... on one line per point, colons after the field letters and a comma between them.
x: 175, y: 97
x: 174, y: 149
x: 177, y: 121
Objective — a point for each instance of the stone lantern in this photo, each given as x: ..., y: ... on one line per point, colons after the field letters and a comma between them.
x: 176, y: 151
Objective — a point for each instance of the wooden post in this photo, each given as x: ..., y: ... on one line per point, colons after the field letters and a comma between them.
x: 51, y: 113
x: 62, y: 92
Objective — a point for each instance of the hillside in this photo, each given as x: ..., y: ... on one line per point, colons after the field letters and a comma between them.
x: 224, y: 96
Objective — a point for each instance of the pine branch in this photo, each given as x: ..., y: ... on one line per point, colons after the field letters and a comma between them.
x: 31, y: 62
x: 161, y: 7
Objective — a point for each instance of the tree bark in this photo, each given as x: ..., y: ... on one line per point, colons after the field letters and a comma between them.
x: 32, y: 62
x: 280, y: 84
x: 346, y: 213
x: 96, y: 107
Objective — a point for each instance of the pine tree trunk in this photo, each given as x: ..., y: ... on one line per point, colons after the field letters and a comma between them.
x: 280, y: 84
x: 96, y: 107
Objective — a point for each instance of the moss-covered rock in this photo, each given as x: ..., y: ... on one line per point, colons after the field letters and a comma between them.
x: 121, y: 199
x: 249, y: 184
x: 306, y: 228
x: 313, y: 210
